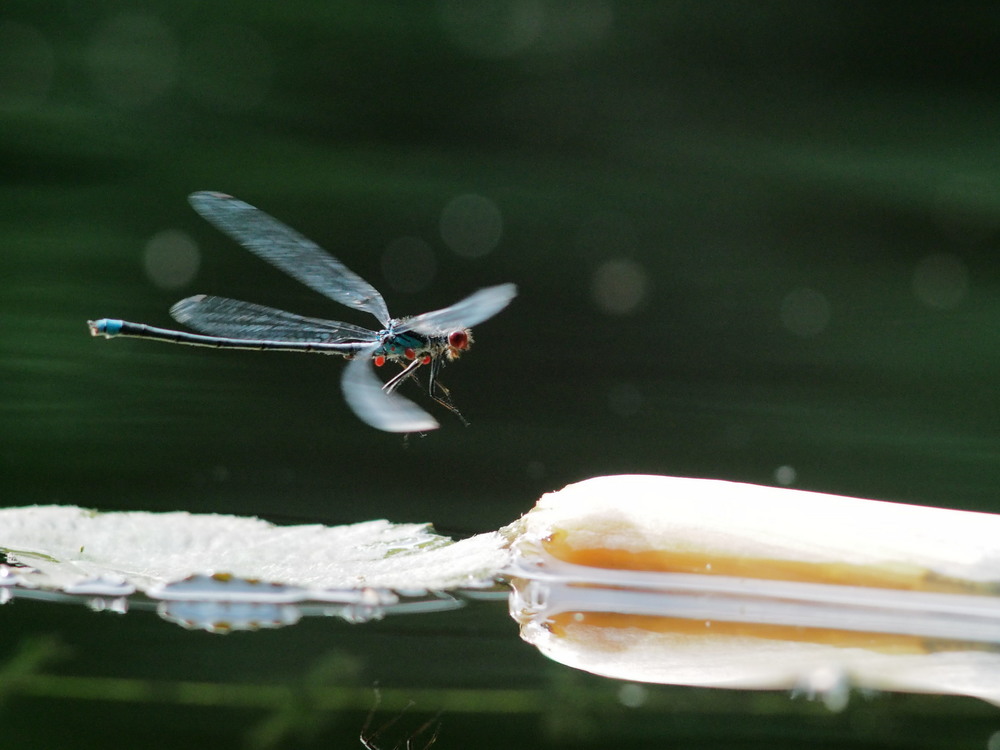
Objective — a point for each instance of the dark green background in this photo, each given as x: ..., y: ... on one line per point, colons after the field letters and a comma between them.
x: 737, y: 153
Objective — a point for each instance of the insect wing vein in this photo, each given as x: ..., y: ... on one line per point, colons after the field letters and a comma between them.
x: 282, y: 246
x: 465, y: 313
x: 231, y: 318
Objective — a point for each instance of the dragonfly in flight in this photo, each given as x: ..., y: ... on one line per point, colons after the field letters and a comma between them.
x: 430, y: 339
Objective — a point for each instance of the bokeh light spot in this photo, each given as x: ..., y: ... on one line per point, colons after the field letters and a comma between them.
x: 624, y: 400
x: 408, y: 264
x: 27, y: 64
x: 171, y: 259
x: 578, y: 25
x: 805, y: 312
x: 785, y: 475
x: 504, y: 28
x: 632, y: 695
x: 940, y: 280
x: 619, y: 286
x: 133, y: 60
x: 229, y: 68
x: 535, y: 470
x: 471, y: 225
x: 967, y: 207
x: 492, y: 28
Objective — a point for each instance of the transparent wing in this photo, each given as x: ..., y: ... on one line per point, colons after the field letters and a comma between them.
x: 383, y: 411
x: 231, y: 318
x: 466, y: 313
x: 300, y: 258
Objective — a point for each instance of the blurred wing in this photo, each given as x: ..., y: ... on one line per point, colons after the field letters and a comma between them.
x: 466, y: 313
x: 383, y: 411
x: 231, y: 318
x: 300, y: 258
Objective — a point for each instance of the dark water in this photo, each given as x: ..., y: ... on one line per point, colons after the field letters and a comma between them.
x: 746, y: 238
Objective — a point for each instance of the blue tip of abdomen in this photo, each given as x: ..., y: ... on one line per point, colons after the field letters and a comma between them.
x: 105, y: 327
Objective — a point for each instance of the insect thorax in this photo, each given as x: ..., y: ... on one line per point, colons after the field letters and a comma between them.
x: 403, y: 345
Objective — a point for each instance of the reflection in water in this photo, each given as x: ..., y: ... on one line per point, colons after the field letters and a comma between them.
x: 638, y: 578
x: 694, y: 582
x: 426, y: 734
x: 224, y: 604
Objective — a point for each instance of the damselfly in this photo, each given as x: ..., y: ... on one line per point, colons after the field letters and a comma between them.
x: 429, y: 339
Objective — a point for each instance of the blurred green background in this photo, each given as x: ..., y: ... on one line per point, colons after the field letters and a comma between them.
x: 754, y: 241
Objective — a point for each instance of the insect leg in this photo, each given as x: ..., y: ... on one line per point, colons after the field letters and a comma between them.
x: 439, y: 393
x: 393, y: 382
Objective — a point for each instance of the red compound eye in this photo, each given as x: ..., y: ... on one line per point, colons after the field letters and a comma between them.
x: 458, y: 340
x: 409, y: 354
x: 379, y: 360
x: 426, y: 359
